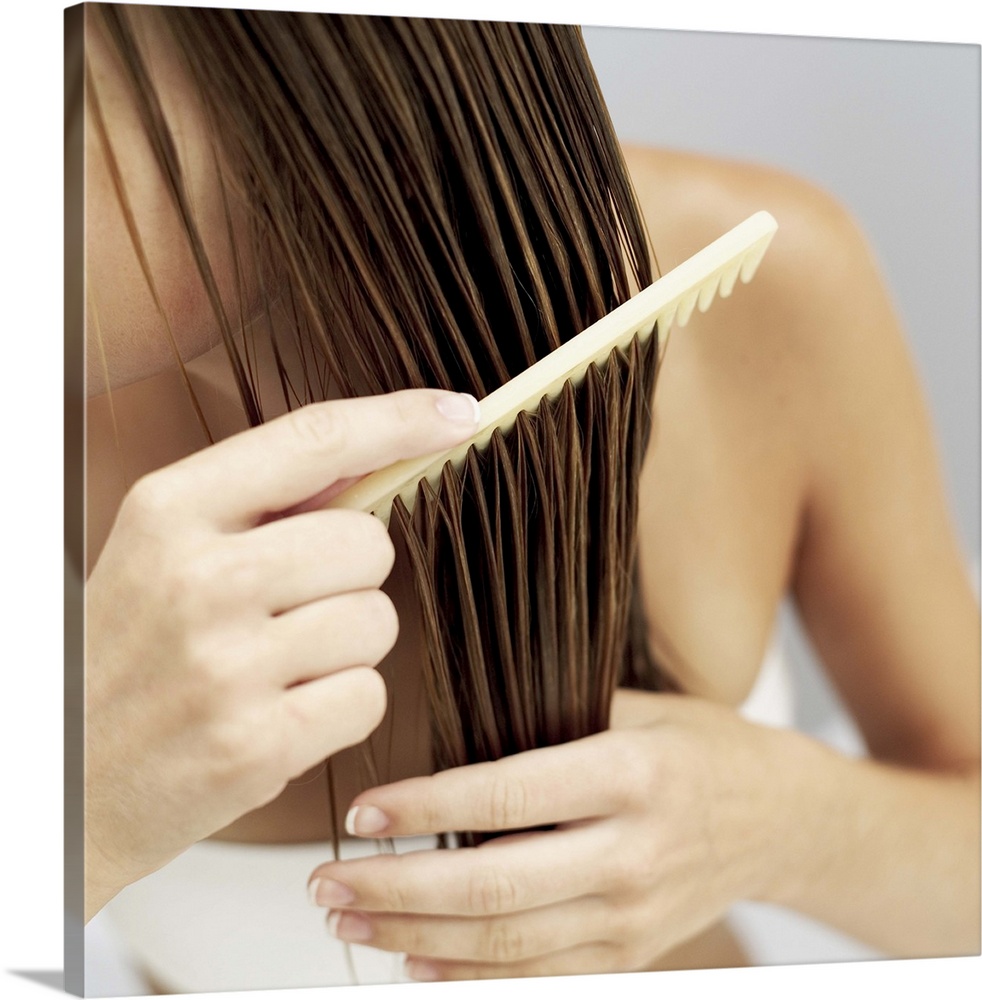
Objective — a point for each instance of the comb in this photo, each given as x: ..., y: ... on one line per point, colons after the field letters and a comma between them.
x: 669, y: 301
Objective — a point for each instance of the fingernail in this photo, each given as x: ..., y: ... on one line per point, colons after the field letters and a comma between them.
x: 351, y: 927
x: 422, y: 972
x: 327, y: 892
x: 461, y: 408
x: 365, y: 821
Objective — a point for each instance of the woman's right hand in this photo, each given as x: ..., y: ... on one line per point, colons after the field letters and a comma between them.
x: 232, y: 628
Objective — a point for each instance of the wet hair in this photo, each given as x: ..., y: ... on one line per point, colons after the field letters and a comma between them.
x: 441, y: 203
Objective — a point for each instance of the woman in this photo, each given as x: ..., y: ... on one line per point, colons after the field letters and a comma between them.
x: 785, y: 475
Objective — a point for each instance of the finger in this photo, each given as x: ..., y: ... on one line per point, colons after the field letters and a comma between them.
x: 290, y: 459
x: 315, y: 555
x: 323, y: 716
x: 548, y: 868
x: 513, y: 938
x: 529, y: 789
x: 580, y: 960
x: 346, y: 630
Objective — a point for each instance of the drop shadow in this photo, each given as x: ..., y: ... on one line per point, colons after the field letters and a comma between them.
x: 53, y: 978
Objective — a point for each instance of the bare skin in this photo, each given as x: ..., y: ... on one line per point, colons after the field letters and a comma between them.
x: 774, y: 466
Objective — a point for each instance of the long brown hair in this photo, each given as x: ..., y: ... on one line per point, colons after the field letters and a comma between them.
x: 442, y: 203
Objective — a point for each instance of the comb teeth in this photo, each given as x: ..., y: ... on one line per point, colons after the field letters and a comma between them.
x: 670, y: 300
x: 722, y: 281
x: 708, y: 292
x: 728, y: 280
x: 753, y: 258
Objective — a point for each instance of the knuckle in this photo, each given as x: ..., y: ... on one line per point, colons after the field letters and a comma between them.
x: 376, y: 698
x: 621, y: 919
x: 405, y: 408
x: 622, y: 955
x: 491, y: 891
x: 431, y: 812
x: 370, y: 705
x: 150, y: 498
x: 186, y: 583
x: 503, y: 943
x: 290, y: 757
x: 203, y: 657
x: 430, y: 805
x: 194, y: 582
x: 386, y: 619
x: 383, y: 551
x: 229, y: 568
x: 268, y: 791
x: 222, y: 570
x: 380, y: 624
x: 398, y: 897
x: 319, y: 428
x: 632, y: 780
x: 507, y: 804
x: 215, y: 662
x: 235, y: 744
x: 406, y: 936
x: 369, y: 540
x: 620, y: 873
x: 633, y: 953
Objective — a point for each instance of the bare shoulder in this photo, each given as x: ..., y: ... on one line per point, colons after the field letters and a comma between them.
x: 688, y: 199
x: 817, y: 317
x: 818, y: 259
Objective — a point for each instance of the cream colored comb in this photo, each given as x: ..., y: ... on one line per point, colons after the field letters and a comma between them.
x: 670, y: 300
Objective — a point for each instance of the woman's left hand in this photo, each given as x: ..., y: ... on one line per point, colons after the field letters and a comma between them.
x: 657, y: 829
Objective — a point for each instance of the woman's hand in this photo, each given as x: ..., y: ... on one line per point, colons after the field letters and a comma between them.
x: 232, y: 628
x: 659, y: 829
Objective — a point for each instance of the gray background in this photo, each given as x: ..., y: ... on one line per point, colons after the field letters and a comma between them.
x: 892, y: 130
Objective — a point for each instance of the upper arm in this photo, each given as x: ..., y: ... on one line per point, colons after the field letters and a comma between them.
x: 879, y: 576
